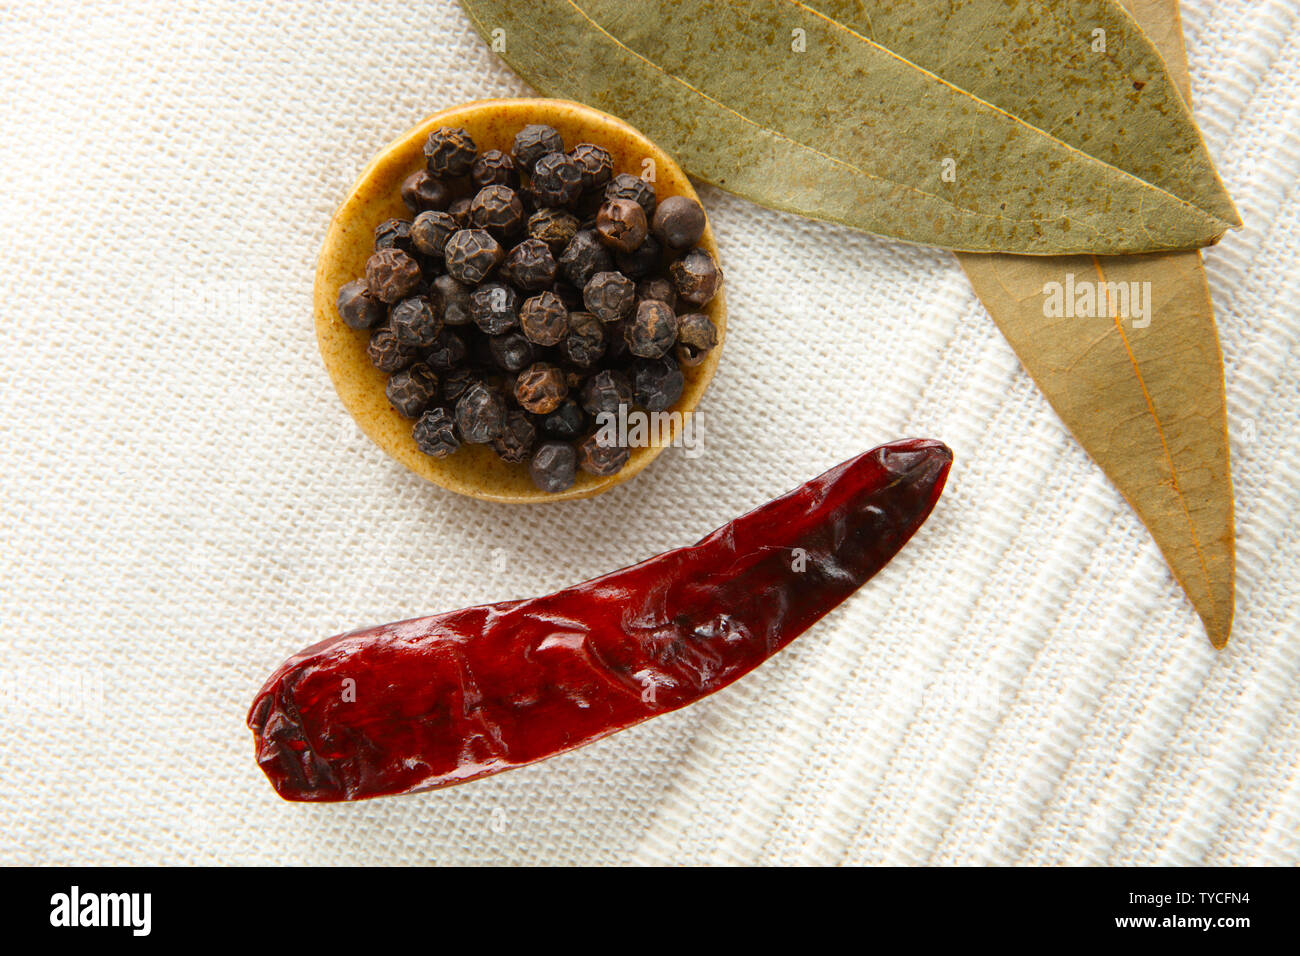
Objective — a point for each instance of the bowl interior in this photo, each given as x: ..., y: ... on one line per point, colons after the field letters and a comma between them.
x: 476, y: 470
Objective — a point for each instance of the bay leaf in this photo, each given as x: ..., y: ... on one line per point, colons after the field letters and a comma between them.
x: 1147, y: 400
x: 987, y: 125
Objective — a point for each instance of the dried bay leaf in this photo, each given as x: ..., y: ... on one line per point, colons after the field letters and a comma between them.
x: 1145, y: 400
x: 913, y: 119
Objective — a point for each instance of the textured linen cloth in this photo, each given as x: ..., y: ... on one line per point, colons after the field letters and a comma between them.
x: 184, y: 500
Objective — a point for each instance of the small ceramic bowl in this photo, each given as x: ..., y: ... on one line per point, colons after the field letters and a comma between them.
x: 475, y: 470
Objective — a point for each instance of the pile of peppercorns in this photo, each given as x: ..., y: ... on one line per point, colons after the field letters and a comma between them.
x: 531, y: 293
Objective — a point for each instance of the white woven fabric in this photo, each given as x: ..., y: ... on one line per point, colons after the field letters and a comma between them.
x: 184, y: 500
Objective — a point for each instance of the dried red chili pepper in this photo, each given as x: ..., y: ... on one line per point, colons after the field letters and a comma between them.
x: 445, y: 699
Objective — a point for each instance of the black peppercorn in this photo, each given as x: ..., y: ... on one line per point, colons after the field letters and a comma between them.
x: 393, y: 234
x: 431, y: 230
x: 494, y: 168
x: 471, y: 254
x: 585, y: 343
x: 595, y: 164
x: 679, y: 222
x: 554, y: 466
x: 435, y: 433
x: 567, y: 421
x: 449, y: 152
x: 652, y: 331
x: 459, y: 211
x: 480, y: 414
x: 422, y: 192
x: 416, y: 322
x: 535, y: 141
x: 412, y: 390
x: 557, y: 180
x: 696, y: 336
x: 657, y: 288
x: 600, y: 459
x: 605, y: 392
x: 456, y: 381
x: 583, y: 257
x: 358, y: 308
x: 616, y: 343
x: 555, y: 227
x: 453, y: 301
x: 530, y: 266
x: 392, y: 275
x: 498, y: 210
x: 544, y: 319
x: 657, y: 383
x: 495, y: 307
x: 516, y: 441
x: 541, y: 388
x: 696, y: 276
x: 386, y: 353
x: 448, y: 351
x: 627, y: 186
x: 621, y: 224
x: 642, y: 260
x: 569, y: 295
x: 511, y: 351
x: 609, y: 296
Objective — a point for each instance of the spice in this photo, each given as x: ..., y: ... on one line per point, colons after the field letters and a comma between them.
x: 602, y: 460
x: 529, y: 293
x: 595, y: 164
x: 358, y: 308
x: 392, y: 275
x: 541, y: 388
x: 657, y: 383
x: 416, y: 322
x: 696, y: 277
x: 583, y: 257
x: 449, y: 152
x: 480, y: 414
x: 621, y: 225
x: 679, y: 222
x: 412, y: 390
x: 530, y: 266
x: 459, y: 211
x: 535, y: 141
x: 567, y: 421
x: 511, y: 351
x: 652, y: 332
x: 609, y: 296
x: 422, y: 192
x: 498, y: 210
x: 554, y: 466
x: 641, y: 261
x: 494, y: 168
x: 627, y: 186
x: 435, y: 433
x: 430, y: 232
x: 605, y: 392
x: 544, y: 319
x: 557, y: 180
x: 550, y: 674
x: 471, y: 254
x: 585, y: 343
x: 393, y: 234
x: 495, y: 307
x: 696, y: 336
x: 515, y: 443
x: 555, y: 227
x: 386, y: 353
x: 657, y: 288
x: 448, y: 351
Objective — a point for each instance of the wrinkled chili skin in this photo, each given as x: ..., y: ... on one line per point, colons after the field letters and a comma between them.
x: 450, y: 698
